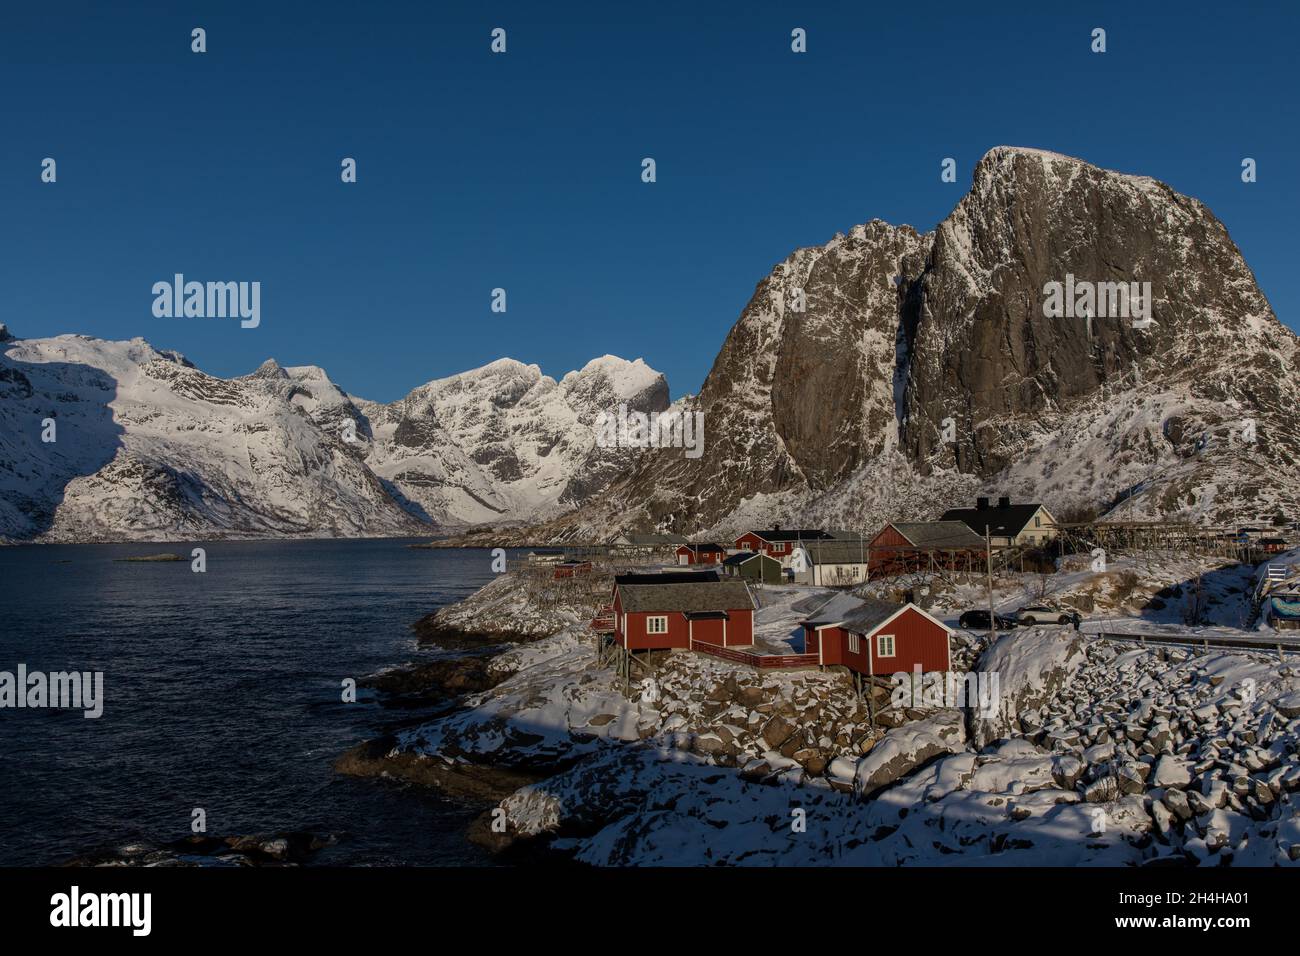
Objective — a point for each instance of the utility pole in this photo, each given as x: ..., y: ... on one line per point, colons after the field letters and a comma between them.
x: 993, y: 621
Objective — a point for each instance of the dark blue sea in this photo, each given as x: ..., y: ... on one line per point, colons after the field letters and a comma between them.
x: 223, y: 691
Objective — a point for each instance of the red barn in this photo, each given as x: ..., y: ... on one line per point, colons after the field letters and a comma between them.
x: 877, y: 637
x: 903, y: 546
x: 701, y: 554
x: 676, y: 615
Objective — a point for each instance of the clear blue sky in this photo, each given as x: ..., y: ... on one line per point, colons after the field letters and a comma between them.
x: 523, y: 170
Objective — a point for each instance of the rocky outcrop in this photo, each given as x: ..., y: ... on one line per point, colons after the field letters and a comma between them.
x: 1032, y: 667
x: 274, y: 849
x: 924, y: 370
x: 905, y: 748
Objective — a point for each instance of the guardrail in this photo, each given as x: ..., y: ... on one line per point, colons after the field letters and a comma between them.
x: 1279, y: 643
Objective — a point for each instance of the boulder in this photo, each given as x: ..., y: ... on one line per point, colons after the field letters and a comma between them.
x: 1169, y: 771
x: 903, y: 749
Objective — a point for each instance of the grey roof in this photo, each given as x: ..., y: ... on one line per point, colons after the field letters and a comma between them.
x: 712, y: 596
x: 871, y: 615
x: 1004, y: 522
x: 860, y: 615
x: 838, y: 551
x: 649, y: 538
x: 940, y: 534
x: 828, y: 609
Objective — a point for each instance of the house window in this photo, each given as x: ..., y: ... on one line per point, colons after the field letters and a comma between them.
x: 853, y: 644
x: 656, y: 625
x: 885, y: 645
x: 1038, y: 522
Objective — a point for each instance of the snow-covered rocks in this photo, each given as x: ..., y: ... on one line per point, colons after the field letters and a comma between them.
x: 1171, y: 772
x: 905, y: 748
x: 1116, y: 755
x: 1032, y: 665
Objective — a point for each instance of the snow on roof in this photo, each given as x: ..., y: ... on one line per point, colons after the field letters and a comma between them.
x: 709, y: 596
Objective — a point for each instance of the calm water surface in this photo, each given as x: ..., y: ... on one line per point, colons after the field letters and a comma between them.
x: 222, y: 691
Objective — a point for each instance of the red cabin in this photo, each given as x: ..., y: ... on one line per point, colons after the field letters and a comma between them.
x: 679, y: 615
x: 877, y: 637
x: 701, y: 554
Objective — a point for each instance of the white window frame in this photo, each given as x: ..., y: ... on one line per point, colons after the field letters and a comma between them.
x: 880, y: 646
x: 854, y: 646
x: 653, y: 620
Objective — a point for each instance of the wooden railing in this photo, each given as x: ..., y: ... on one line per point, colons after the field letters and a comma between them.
x: 765, y: 661
x: 604, y: 619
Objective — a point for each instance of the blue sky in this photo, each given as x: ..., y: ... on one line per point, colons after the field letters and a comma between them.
x: 522, y: 171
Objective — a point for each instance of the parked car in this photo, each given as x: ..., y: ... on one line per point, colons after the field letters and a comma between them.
x: 977, y: 620
x: 1044, y: 614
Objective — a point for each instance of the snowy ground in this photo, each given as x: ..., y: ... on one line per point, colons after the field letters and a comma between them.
x: 1092, y: 753
x: 776, y: 623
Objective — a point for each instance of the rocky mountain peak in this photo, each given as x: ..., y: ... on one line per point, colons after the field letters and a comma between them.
x: 924, y: 366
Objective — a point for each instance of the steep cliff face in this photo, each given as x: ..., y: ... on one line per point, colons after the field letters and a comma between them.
x: 987, y: 356
x: 925, y: 369
x: 802, y: 394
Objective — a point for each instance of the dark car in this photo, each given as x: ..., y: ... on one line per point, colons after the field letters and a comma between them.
x: 976, y: 620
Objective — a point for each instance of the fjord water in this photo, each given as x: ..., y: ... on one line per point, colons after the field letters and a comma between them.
x: 222, y: 690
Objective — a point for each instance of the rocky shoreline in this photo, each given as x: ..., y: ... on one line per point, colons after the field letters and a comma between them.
x: 276, y: 849
x: 1094, y: 753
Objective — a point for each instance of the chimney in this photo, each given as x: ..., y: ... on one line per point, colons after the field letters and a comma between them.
x: 1004, y: 502
x: 981, y: 504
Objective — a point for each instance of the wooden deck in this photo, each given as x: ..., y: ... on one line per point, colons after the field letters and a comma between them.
x: 760, y: 661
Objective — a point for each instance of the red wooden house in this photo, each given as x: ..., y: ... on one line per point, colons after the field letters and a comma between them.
x: 681, y: 614
x: 778, y: 543
x: 701, y: 554
x: 877, y: 637
x: 903, y: 546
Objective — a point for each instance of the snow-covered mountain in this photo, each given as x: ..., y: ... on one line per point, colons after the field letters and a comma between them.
x: 923, y: 371
x: 885, y: 375
x: 117, y: 440
x: 505, y: 441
